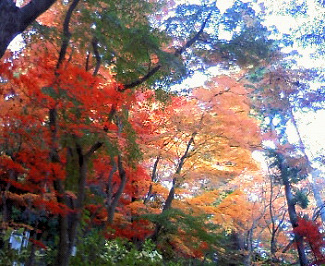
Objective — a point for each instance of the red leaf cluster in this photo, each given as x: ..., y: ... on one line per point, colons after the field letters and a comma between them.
x: 310, y: 231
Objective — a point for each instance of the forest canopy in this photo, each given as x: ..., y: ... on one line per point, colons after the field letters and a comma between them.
x: 161, y: 132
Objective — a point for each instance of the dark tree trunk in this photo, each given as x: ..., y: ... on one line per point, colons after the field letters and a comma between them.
x: 69, y: 223
x: 114, y: 199
x: 171, y: 195
x: 294, y: 222
x: 63, y: 254
x: 292, y: 211
x: 14, y: 20
x: 153, y: 179
x: 317, y: 176
x: 9, y: 23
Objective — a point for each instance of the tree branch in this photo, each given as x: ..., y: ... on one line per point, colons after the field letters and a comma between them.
x: 153, y: 177
x: 94, y: 43
x: 191, y: 41
x: 186, y: 154
x: 142, y: 79
x: 66, y: 33
x: 93, y: 148
x: 14, y: 20
x: 177, y: 53
x: 32, y: 10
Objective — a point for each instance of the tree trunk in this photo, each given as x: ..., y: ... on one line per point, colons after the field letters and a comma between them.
x: 294, y: 222
x: 69, y: 223
x: 63, y: 255
x: 14, y: 20
x: 292, y: 212
x: 114, y: 199
x: 317, y: 195
x: 273, y: 220
x: 171, y: 194
x: 276, y: 223
x: 153, y: 179
x: 249, y: 247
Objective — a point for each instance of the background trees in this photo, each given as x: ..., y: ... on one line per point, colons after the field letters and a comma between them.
x: 98, y: 146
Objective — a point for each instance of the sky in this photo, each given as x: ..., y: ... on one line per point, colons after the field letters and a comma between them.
x: 312, y: 130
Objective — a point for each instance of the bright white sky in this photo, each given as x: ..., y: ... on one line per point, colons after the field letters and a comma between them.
x: 312, y: 130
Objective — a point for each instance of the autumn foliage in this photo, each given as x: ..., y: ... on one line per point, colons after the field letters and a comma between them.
x: 94, y: 148
x: 92, y: 110
x: 312, y: 235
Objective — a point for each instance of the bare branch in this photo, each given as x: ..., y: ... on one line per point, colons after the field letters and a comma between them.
x: 94, y: 43
x: 87, y: 68
x: 66, y: 33
x: 191, y: 41
x: 153, y: 177
x: 142, y: 79
x: 93, y: 148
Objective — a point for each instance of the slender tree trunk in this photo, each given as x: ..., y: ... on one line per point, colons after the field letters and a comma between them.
x: 116, y: 197
x: 276, y: 223
x: 171, y: 194
x: 294, y: 222
x: 63, y: 248
x: 153, y: 178
x: 248, y: 248
x: 292, y: 212
x: 63, y: 254
x: 317, y: 195
x: 62, y: 257
x: 273, y: 228
x: 76, y: 216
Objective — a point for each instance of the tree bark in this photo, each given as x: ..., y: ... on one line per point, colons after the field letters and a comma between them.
x: 171, y: 195
x: 292, y: 210
x: 62, y: 258
x: 153, y: 178
x: 14, y: 20
x: 116, y: 197
x: 276, y: 222
x: 294, y: 222
x: 316, y: 175
x: 69, y: 223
